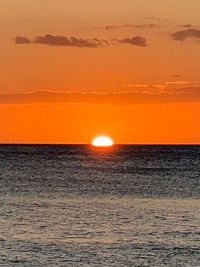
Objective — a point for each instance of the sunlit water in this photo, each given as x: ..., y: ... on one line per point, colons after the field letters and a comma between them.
x: 81, y: 206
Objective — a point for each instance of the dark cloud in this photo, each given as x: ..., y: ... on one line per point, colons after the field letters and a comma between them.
x: 72, y: 41
x: 181, y: 94
x: 137, y: 40
x: 137, y: 26
x: 22, y: 40
x: 183, y: 35
x: 59, y: 40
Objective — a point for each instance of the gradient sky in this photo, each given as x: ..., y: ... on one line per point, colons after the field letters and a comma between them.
x: 74, y: 69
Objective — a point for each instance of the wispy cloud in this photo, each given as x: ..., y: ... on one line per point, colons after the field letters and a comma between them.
x: 187, y: 26
x: 176, y: 76
x: 139, y: 94
x: 155, y: 18
x: 113, y: 27
x: 177, y: 83
x: 136, y: 26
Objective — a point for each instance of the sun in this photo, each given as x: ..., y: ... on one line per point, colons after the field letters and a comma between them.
x: 102, y: 141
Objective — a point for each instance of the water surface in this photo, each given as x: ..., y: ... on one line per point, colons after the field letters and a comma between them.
x: 80, y: 206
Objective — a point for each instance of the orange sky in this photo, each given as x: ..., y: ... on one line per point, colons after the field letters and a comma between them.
x: 77, y: 69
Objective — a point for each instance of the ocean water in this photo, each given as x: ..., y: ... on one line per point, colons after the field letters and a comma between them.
x: 80, y: 206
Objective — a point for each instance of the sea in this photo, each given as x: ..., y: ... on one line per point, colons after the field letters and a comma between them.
x: 75, y: 205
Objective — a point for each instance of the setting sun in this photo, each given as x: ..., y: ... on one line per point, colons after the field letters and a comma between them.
x: 102, y: 141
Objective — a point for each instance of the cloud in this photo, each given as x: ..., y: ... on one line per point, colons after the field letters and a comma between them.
x: 183, y: 35
x: 113, y: 27
x: 137, y: 40
x: 72, y: 41
x: 169, y: 87
x: 143, y: 95
x: 138, y: 85
x: 137, y: 26
x: 177, y: 83
x: 148, y: 26
x: 176, y: 76
x: 22, y: 40
x: 59, y: 40
x: 187, y: 26
x: 155, y: 18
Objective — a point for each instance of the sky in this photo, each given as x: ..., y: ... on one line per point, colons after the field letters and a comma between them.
x: 75, y: 69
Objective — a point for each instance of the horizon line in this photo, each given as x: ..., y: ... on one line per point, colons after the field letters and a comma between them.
x: 89, y: 144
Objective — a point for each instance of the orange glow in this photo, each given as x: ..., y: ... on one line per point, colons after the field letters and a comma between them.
x: 64, y: 90
x: 102, y: 141
x: 77, y: 124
